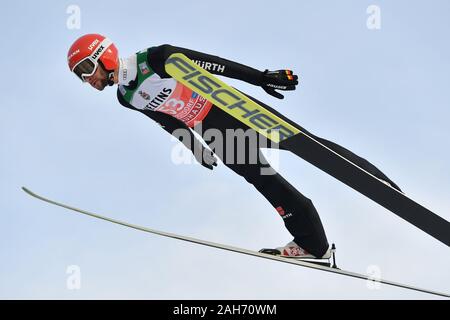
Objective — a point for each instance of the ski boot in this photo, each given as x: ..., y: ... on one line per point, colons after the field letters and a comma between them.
x: 294, y: 251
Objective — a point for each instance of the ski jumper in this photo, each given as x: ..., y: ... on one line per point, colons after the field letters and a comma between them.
x: 145, y: 86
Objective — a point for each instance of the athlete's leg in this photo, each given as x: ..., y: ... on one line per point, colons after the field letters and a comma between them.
x: 298, y: 212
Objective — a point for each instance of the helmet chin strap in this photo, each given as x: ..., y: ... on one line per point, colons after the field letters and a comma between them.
x: 111, y: 78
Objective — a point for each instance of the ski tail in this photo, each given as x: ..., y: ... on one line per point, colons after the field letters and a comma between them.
x: 367, y: 184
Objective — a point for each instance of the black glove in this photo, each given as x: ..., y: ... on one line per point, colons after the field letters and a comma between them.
x: 280, y: 80
x: 205, y: 157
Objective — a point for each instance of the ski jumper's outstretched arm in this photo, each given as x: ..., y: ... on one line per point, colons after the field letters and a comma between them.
x: 268, y: 80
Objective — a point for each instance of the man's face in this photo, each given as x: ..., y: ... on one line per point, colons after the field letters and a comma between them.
x: 99, y: 80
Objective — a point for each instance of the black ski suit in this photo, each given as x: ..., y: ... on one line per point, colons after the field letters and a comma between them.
x: 298, y: 212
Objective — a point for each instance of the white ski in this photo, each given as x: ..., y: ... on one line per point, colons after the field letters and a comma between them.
x: 238, y: 250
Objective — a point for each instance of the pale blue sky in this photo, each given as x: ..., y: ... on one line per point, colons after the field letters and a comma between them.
x: 383, y: 94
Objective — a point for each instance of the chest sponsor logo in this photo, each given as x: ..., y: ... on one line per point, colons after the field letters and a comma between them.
x: 144, y: 95
x: 160, y: 98
x: 144, y: 68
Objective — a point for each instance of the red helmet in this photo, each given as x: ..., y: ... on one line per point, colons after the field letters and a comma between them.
x: 87, y: 51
